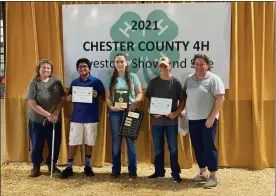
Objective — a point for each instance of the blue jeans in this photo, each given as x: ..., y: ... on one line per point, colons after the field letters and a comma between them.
x: 203, y: 142
x: 158, y: 133
x: 39, y: 134
x: 115, y: 120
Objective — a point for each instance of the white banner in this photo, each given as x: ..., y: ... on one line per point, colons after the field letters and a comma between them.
x: 145, y: 32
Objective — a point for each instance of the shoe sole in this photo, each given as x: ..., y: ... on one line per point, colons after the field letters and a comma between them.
x: 199, y: 181
x: 63, y: 178
x: 209, y: 187
x: 155, y: 178
x: 34, y: 176
x: 66, y: 177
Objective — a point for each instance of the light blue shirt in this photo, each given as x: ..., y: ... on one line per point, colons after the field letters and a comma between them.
x: 122, y: 84
x: 200, y: 95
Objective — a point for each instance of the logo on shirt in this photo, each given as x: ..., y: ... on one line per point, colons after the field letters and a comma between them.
x: 55, y: 87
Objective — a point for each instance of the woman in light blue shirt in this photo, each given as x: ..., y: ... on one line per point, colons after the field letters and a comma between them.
x: 204, y: 93
x: 122, y: 79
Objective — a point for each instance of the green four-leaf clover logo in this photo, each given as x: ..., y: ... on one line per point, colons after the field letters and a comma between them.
x: 157, y: 29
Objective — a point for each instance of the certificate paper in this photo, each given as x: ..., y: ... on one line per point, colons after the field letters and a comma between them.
x: 82, y: 94
x: 161, y: 106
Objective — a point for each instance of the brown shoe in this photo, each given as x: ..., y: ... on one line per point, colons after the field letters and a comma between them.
x: 35, y: 171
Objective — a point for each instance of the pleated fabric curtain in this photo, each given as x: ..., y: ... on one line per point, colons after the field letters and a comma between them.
x: 245, y: 135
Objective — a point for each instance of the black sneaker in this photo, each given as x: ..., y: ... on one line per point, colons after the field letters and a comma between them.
x: 55, y: 169
x: 153, y: 176
x: 66, y: 173
x: 88, y: 172
x: 35, y: 172
x: 177, y: 179
x: 132, y: 174
x: 115, y: 175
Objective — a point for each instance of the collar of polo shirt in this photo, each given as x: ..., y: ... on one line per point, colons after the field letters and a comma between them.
x: 205, y: 77
x: 88, y: 78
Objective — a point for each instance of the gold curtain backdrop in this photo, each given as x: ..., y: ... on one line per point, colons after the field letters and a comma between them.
x: 245, y: 135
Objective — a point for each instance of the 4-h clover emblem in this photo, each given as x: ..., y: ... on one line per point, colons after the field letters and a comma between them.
x: 147, y: 37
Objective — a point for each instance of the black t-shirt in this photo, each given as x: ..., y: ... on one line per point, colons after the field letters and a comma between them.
x: 171, y: 89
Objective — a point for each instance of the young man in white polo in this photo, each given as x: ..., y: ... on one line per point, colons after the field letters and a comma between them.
x: 85, y: 118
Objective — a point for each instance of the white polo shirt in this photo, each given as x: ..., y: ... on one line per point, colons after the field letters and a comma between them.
x: 200, y: 95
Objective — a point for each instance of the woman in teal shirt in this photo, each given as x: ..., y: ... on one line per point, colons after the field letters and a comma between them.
x: 124, y: 80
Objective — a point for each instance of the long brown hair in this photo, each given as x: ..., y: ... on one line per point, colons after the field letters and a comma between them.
x: 205, y: 58
x: 113, y: 80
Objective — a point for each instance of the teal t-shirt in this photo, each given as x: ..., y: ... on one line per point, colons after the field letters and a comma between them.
x: 122, y: 84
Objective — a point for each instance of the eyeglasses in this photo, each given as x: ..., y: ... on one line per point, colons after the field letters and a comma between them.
x: 83, y: 66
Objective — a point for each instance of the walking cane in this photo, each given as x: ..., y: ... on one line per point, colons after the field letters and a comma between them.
x: 53, y: 145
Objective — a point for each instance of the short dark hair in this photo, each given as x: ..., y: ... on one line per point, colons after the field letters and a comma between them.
x: 83, y: 60
x: 205, y: 58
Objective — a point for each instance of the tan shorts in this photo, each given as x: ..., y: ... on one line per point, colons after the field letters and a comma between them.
x: 83, y: 133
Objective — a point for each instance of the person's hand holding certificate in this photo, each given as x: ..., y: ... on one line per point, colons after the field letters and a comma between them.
x: 82, y: 94
x: 161, y: 106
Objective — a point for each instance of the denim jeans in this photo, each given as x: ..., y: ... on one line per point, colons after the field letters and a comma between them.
x: 203, y: 142
x: 39, y: 134
x: 115, y: 120
x: 158, y: 133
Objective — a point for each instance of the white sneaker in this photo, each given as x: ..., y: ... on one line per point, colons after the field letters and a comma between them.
x: 213, y: 181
